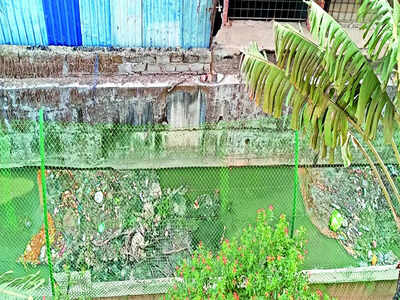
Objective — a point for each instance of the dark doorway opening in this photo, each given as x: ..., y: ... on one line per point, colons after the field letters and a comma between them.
x: 218, y: 17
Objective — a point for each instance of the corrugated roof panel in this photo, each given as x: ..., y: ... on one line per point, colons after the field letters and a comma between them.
x: 162, y: 23
x: 121, y: 23
x: 197, y: 23
x: 126, y: 23
x: 95, y: 22
x: 22, y: 23
x: 63, y: 22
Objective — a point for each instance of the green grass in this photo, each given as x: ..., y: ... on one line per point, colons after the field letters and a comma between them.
x: 24, y: 206
x: 11, y: 188
x: 244, y: 190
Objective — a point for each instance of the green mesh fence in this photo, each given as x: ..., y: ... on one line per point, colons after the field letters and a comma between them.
x: 126, y: 204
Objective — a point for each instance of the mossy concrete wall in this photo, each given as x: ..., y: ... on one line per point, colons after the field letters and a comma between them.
x: 344, y: 284
x: 378, y: 282
x: 377, y: 290
x: 184, y: 123
x: 203, y: 123
x: 142, y: 297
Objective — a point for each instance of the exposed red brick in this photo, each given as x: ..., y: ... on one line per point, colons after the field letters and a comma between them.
x: 108, y: 63
x: 79, y: 64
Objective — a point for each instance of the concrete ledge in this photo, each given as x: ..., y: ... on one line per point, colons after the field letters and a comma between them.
x: 115, y: 288
x: 362, y: 274
x: 329, y: 277
x: 241, y: 33
x: 132, y: 287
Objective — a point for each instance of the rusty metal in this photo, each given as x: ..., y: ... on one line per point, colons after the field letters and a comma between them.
x: 213, y: 12
x: 225, y: 12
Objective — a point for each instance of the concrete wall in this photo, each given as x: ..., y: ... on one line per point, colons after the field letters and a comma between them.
x: 380, y: 290
x: 134, y: 100
x: 142, y: 297
x: 377, y: 290
x: 140, y: 88
x: 371, y: 283
x: 202, y: 124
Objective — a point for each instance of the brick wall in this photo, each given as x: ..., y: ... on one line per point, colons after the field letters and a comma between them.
x: 54, y: 62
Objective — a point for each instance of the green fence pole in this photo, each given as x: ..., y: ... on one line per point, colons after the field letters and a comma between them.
x: 44, y: 192
x: 296, y: 179
x: 224, y: 188
x: 226, y: 202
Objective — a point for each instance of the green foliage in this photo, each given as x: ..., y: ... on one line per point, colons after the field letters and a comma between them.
x: 329, y: 85
x: 380, y: 27
x: 19, y: 288
x: 62, y: 291
x: 263, y: 262
x: 205, y: 221
x: 354, y: 80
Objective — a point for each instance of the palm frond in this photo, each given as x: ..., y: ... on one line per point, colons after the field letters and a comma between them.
x: 271, y: 87
x: 354, y: 79
x: 19, y: 288
x: 357, y: 93
x: 338, y: 47
x: 382, y: 26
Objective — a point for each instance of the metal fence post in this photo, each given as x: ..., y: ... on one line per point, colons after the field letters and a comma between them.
x: 296, y: 179
x: 224, y: 188
x: 44, y: 193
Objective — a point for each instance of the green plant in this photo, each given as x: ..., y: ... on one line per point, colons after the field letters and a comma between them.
x: 262, y: 263
x: 333, y: 89
x: 19, y: 288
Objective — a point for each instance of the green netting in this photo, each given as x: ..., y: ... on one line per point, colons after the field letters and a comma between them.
x: 126, y: 204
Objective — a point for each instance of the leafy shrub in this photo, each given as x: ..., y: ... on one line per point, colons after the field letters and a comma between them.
x: 263, y: 263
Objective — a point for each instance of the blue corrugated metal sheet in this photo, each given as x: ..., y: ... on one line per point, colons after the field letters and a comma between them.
x: 126, y: 23
x: 22, y: 22
x: 121, y: 23
x: 63, y: 22
x: 95, y: 22
x: 196, y: 23
x: 162, y: 23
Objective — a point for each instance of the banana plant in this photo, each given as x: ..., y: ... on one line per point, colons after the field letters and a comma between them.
x: 381, y: 22
x: 332, y: 87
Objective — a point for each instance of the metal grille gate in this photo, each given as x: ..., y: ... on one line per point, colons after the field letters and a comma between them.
x: 268, y: 9
x: 290, y: 10
x: 342, y: 10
